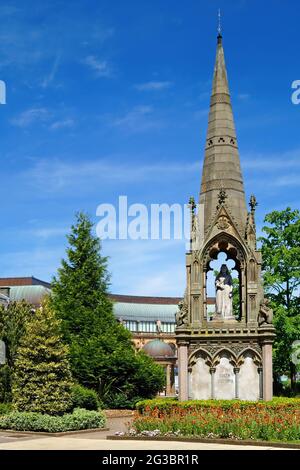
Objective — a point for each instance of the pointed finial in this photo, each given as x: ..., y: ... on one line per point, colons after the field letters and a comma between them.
x: 253, y: 203
x: 192, y: 204
x: 219, y: 26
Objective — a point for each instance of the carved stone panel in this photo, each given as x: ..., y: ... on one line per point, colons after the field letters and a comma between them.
x: 224, y: 380
x: 200, y: 381
x: 223, y: 222
x: 248, y: 379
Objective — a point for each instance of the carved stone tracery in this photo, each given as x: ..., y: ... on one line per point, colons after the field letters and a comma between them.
x: 236, y: 354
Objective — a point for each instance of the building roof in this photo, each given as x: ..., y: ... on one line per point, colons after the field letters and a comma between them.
x: 145, y: 311
x: 137, y: 299
x: 32, y: 294
x: 127, y: 307
x: 23, y: 281
x: 158, y: 349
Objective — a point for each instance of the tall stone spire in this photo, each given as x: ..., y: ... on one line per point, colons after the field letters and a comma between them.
x: 221, y: 168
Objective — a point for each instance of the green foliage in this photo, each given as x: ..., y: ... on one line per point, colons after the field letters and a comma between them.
x: 281, y: 269
x: 275, y: 420
x: 236, y: 304
x: 281, y: 258
x: 134, y: 376
x: 84, y: 398
x: 121, y: 401
x: 5, y: 384
x: 42, y: 379
x: 166, y: 405
x: 12, y: 326
x: 29, y: 421
x: 5, y: 408
x: 102, y: 355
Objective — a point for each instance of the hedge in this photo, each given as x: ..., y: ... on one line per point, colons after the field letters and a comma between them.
x: 30, y: 421
x: 166, y: 405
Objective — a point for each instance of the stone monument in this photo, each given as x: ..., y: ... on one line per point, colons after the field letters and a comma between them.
x: 230, y: 355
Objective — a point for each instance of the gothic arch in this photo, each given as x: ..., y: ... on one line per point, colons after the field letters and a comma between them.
x: 227, y: 353
x: 226, y: 243
x: 200, y: 352
x: 257, y: 359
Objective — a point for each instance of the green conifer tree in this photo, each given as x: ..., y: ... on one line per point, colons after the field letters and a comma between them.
x: 42, y: 378
x: 101, y: 351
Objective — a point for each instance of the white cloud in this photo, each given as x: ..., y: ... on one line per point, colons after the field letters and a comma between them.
x: 139, y: 119
x: 49, y: 232
x: 41, y: 262
x: 100, y: 67
x: 272, y: 162
x: 243, y: 96
x: 65, y: 123
x: 153, y: 86
x: 50, y: 77
x: 57, y: 175
x: 145, y: 278
x: 287, y: 180
x: 30, y: 116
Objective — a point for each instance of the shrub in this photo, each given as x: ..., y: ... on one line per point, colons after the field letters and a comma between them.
x: 5, y: 408
x: 84, y: 398
x: 29, y: 421
x: 121, y: 401
x: 5, y: 384
x: 42, y: 378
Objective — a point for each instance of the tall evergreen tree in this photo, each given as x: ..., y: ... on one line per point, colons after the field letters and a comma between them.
x: 42, y: 377
x: 101, y: 349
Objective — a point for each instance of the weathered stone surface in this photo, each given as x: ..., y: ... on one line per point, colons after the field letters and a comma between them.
x: 221, y: 166
x: 200, y: 381
x: 248, y: 380
x: 224, y: 380
x: 224, y: 355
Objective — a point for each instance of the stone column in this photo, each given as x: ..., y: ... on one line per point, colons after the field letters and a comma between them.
x: 267, y: 370
x: 172, y: 380
x: 236, y: 376
x: 183, y: 371
x: 261, y: 389
x: 168, y: 381
x: 212, y: 371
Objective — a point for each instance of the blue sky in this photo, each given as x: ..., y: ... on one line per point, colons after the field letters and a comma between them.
x: 109, y: 98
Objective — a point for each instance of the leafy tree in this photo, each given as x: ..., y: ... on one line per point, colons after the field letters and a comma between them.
x: 281, y: 268
x: 236, y: 303
x: 12, y: 327
x: 42, y: 378
x: 101, y: 351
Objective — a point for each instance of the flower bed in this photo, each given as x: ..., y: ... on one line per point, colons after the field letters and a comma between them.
x: 275, y: 420
x: 28, y: 421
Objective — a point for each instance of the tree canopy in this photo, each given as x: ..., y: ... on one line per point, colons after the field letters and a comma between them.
x: 281, y: 268
x: 101, y: 351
